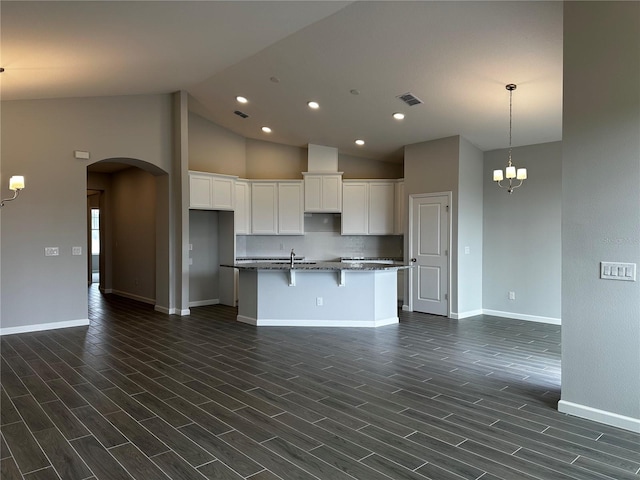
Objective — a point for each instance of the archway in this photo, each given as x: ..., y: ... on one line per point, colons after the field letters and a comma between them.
x: 134, y: 233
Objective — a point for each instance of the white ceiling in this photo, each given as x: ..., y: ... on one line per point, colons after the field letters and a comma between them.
x: 455, y: 56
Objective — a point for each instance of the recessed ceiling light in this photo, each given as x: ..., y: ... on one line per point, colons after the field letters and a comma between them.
x: 359, y: 142
x: 398, y: 116
x: 275, y: 79
x: 313, y: 105
x: 242, y: 99
x: 266, y: 129
x: 354, y: 91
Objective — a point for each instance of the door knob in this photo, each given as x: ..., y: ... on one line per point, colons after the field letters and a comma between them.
x: 413, y: 260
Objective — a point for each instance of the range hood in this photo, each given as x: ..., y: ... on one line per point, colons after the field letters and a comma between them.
x: 321, y: 159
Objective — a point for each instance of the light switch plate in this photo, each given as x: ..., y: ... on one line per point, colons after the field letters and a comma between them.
x: 51, y: 251
x: 618, y: 271
x: 76, y: 250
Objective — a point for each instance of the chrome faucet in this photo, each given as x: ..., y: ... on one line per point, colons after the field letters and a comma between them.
x: 293, y: 256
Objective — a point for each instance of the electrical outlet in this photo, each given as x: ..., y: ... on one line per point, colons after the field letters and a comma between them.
x: 512, y: 295
x: 51, y: 251
x: 319, y: 301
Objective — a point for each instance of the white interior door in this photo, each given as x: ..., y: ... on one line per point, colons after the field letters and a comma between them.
x: 429, y: 252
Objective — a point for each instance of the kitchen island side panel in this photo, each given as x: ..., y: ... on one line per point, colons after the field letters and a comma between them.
x: 248, y: 295
x: 367, y: 298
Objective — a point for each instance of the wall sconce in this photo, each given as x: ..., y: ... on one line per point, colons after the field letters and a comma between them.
x: 510, y: 172
x: 16, y: 183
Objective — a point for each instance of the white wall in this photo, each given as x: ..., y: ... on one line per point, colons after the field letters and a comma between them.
x: 600, y: 214
x: 38, y: 140
x: 522, y: 240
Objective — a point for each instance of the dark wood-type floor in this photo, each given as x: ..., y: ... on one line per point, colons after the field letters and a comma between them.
x: 145, y: 395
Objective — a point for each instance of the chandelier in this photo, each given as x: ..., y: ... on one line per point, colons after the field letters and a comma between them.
x: 510, y: 172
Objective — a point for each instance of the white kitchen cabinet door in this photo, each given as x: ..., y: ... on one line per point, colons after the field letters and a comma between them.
x: 223, y: 192
x: 290, y: 208
x: 323, y: 192
x: 355, y: 208
x: 208, y: 191
x: 381, y: 208
x: 264, y: 208
x: 200, y: 191
x: 243, y: 208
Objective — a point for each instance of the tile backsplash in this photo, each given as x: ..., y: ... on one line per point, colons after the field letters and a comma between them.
x: 322, y: 241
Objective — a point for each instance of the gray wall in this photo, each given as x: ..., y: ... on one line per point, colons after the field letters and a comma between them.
x: 470, y: 228
x: 52, y: 209
x: 600, y: 219
x: 522, y: 242
x: 133, y: 211
x: 204, y: 269
x: 217, y: 150
x: 431, y: 167
x: 213, y: 148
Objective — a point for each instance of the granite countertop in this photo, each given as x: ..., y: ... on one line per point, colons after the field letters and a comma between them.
x: 366, y: 259
x: 304, y: 265
x: 267, y: 259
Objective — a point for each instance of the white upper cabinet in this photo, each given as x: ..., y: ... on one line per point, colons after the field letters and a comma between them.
x: 355, y: 208
x: 243, y: 208
x: 277, y: 207
x: 322, y: 192
x: 290, y: 208
x: 264, y: 208
x: 381, y: 208
x: 368, y: 207
x: 208, y: 191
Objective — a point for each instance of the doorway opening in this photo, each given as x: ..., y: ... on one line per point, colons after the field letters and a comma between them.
x: 95, y: 245
x: 94, y: 236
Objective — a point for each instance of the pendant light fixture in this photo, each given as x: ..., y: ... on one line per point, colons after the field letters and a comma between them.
x: 511, y: 172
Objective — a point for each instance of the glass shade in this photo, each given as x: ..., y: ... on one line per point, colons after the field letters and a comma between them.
x: 511, y: 172
x: 16, y: 182
x: 497, y: 175
x: 522, y: 174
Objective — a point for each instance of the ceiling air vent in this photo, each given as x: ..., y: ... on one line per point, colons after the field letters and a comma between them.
x: 410, y: 99
x: 241, y: 114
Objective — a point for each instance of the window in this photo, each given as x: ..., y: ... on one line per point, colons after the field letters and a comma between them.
x: 95, y: 231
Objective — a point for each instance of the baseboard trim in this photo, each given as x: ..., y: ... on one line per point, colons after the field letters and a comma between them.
x: 316, y: 322
x: 204, y: 303
x: 161, y: 309
x: 132, y: 296
x: 44, y: 326
x: 406, y: 308
x: 521, y: 316
x: 470, y: 313
x: 601, y: 416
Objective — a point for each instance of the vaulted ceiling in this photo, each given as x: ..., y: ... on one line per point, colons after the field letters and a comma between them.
x: 353, y: 58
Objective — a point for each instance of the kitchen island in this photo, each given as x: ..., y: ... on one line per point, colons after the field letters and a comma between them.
x: 313, y: 294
